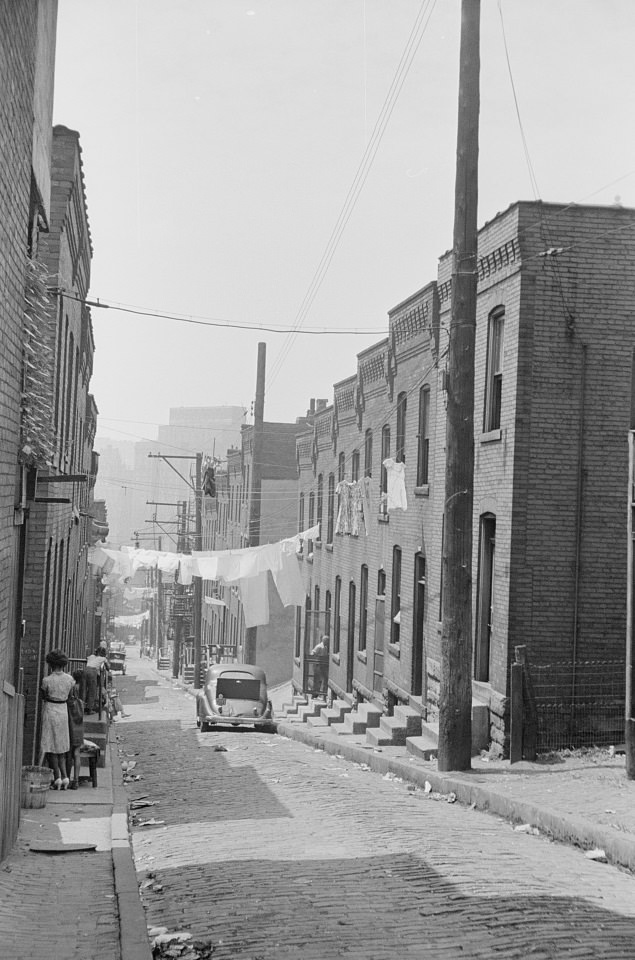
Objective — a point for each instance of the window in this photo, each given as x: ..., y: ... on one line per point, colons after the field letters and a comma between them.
x: 355, y: 465
x: 341, y: 467
x: 485, y: 599
x: 320, y: 498
x: 316, y: 600
x: 363, y: 606
x: 350, y: 633
x: 494, y: 376
x: 327, y: 613
x: 423, y: 452
x: 311, y: 519
x: 385, y: 453
x: 301, y: 517
x: 395, y: 602
x: 336, y: 614
x: 331, y: 509
x: 400, y: 452
x: 307, y: 623
x: 368, y: 454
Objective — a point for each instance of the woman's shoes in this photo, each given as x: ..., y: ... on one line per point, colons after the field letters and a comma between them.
x: 57, y: 784
x: 74, y: 785
x: 65, y: 783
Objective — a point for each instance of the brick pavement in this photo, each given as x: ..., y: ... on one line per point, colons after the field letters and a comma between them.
x: 273, y: 849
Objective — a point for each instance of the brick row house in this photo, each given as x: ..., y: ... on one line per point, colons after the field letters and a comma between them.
x: 47, y: 416
x: 59, y: 600
x: 555, y: 332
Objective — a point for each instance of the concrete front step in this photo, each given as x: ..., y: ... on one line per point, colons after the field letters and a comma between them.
x: 312, y: 709
x: 317, y: 723
x: 358, y: 721
x: 393, y: 731
x: 337, y: 712
x: 293, y: 707
x: 426, y: 745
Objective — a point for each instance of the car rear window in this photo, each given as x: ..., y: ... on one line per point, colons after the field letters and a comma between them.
x: 233, y: 688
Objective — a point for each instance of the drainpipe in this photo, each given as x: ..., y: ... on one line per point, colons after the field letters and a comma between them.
x: 578, y: 529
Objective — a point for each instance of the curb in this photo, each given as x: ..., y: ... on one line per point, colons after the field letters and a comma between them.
x: 619, y: 850
x: 133, y: 929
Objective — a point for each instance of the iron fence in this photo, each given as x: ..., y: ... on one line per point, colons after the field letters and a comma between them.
x: 579, y: 704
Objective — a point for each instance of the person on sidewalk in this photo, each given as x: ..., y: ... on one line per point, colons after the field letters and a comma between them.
x: 94, y: 665
x: 55, y: 740
x: 75, y: 728
x: 321, y: 673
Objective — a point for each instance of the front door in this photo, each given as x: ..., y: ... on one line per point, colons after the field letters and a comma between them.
x: 419, y: 666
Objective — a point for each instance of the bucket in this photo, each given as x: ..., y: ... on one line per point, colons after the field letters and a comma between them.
x: 35, y: 785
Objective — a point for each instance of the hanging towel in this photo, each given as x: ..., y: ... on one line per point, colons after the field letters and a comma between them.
x: 254, y: 595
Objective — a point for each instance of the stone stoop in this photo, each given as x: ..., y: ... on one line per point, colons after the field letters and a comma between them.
x: 311, y: 709
x: 97, y: 732
x: 393, y: 731
x: 426, y: 745
x: 289, y: 709
x: 337, y: 712
x: 358, y: 721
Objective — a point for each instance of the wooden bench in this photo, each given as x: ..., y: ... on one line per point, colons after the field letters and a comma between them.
x: 92, y: 755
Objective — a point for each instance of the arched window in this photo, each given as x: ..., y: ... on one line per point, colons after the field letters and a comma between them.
x: 320, y: 499
x: 355, y: 465
x: 341, y: 467
x: 395, y: 600
x: 385, y: 454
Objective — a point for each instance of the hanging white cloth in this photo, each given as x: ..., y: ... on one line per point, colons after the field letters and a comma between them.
x: 288, y: 580
x: 254, y: 595
x: 396, y: 482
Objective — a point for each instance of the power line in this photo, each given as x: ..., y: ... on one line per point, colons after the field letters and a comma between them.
x: 226, y: 324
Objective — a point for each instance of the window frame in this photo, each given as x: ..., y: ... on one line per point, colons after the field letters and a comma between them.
x: 368, y: 453
x: 423, y: 437
x: 494, y: 370
x: 395, y: 595
x: 363, y: 608
x: 400, y: 440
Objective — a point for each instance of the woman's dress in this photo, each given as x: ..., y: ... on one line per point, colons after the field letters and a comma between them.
x: 55, y: 738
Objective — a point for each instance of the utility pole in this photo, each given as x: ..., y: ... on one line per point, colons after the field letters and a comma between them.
x: 249, y: 652
x: 198, y: 582
x: 159, y: 609
x: 455, y: 694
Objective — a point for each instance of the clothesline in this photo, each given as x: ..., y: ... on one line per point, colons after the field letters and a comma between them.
x: 249, y: 567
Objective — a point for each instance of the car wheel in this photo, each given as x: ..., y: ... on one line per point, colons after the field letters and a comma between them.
x: 205, y: 727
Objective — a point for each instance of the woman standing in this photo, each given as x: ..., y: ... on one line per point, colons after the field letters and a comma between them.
x: 55, y: 740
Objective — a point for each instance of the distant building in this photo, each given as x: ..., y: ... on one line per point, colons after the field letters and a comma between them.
x: 223, y: 623
x: 553, y: 401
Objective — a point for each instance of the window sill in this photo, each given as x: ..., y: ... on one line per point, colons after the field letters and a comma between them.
x: 395, y: 650
x: 297, y: 661
x: 491, y: 436
x: 423, y: 490
x: 309, y: 559
x: 362, y: 656
x: 383, y: 518
x: 317, y: 544
x: 329, y: 548
x: 335, y: 657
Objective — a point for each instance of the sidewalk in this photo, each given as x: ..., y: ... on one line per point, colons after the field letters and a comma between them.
x: 61, y: 901
x: 582, y: 798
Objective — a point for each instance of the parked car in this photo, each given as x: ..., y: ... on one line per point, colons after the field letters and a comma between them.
x: 234, y: 694
x: 117, y: 660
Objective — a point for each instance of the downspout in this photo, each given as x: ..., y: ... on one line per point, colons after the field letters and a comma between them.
x: 578, y: 531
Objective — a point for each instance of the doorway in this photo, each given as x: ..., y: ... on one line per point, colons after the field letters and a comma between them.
x: 485, y: 598
x: 419, y: 665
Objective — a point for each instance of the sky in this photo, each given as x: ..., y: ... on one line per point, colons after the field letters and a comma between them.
x: 290, y: 163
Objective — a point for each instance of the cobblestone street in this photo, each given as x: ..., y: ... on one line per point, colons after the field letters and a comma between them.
x: 271, y: 849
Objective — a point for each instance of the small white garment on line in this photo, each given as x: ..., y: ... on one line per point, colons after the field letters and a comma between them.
x: 396, y: 482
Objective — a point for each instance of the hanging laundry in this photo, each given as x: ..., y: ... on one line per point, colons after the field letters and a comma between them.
x: 365, y: 486
x: 254, y: 594
x: 344, y: 520
x: 396, y: 482
x: 288, y: 580
x: 357, y: 507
